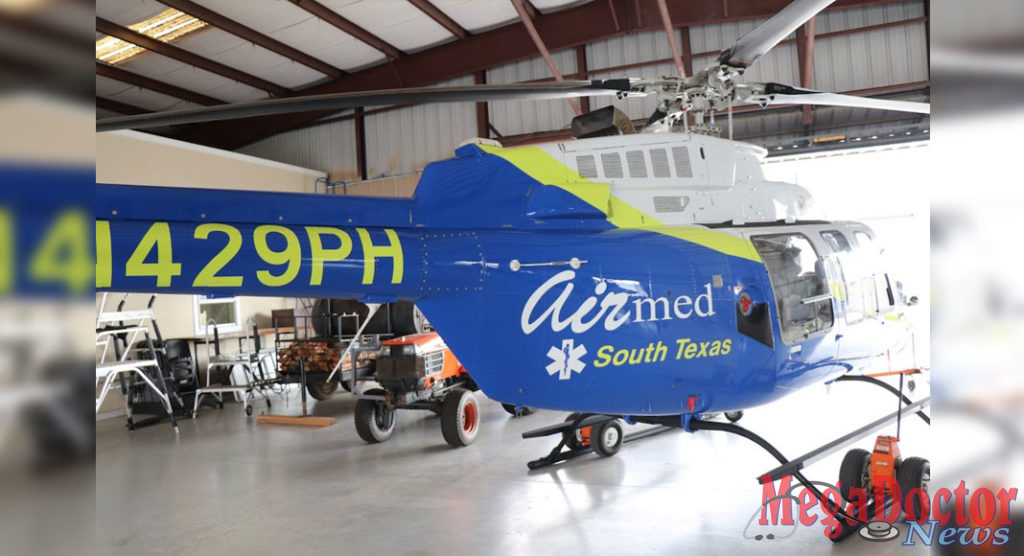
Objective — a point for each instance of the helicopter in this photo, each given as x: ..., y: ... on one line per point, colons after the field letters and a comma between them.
x: 637, y: 274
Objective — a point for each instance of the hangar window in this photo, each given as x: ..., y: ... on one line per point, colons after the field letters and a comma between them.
x: 681, y: 156
x: 637, y: 164
x: 586, y: 166
x: 800, y: 285
x: 611, y: 163
x: 659, y: 163
x: 225, y: 311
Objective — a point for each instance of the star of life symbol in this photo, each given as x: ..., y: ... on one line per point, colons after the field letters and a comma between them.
x: 566, y: 361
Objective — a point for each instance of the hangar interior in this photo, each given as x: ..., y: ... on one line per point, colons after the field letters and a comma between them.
x: 225, y: 482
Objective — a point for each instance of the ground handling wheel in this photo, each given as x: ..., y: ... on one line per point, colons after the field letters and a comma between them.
x: 516, y: 411
x: 606, y: 438
x: 321, y: 390
x: 248, y: 410
x: 855, y: 472
x: 460, y: 417
x: 576, y: 438
x: 375, y: 419
x: 913, y: 473
x: 733, y: 416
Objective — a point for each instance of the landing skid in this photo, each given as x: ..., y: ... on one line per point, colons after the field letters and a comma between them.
x: 566, y: 448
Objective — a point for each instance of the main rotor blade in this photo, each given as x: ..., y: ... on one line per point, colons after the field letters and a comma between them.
x: 756, y: 43
x: 775, y: 93
x: 384, y: 97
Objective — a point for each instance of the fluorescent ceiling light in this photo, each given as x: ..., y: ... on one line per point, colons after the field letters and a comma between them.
x: 167, y: 26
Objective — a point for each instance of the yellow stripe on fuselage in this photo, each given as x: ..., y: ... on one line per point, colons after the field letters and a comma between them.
x: 548, y: 170
x: 712, y: 239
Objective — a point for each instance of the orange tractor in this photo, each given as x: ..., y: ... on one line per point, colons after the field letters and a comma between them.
x: 418, y: 371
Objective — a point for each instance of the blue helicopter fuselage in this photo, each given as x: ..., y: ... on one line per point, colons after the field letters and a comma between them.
x: 542, y: 298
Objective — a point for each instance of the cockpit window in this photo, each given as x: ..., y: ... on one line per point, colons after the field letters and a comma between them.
x: 800, y: 285
x: 836, y: 241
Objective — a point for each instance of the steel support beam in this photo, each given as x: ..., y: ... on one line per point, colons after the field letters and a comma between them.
x: 507, y: 44
x: 688, y: 56
x: 482, y: 112
x: 527, y: 19
x: 360, y: 130
x: 805, y: 55
x: 442, y: 19
x: 581, y: 70
x: 670, y: 33
x: 119, y: 107
x: 688, y: 63
x: 255, y: 37
x: 182, y: 55
x: 126, y: 76
x: 334, y: 18
x: 687, y: 50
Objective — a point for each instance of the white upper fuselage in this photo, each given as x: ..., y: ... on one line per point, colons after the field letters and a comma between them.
x: 683, y: 178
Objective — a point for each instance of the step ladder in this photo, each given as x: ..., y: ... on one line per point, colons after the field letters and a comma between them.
x: 116, y: 334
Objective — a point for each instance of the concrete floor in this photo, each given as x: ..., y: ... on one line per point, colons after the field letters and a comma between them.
x: 226, y: 485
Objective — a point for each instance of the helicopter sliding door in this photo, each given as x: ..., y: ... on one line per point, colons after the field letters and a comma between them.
x: 868, y: 298
x: 804, y: 307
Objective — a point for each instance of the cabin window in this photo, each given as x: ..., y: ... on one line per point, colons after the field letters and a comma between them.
x: 586, y: 166
x: 800, y: 285
x: 659, y: 163
x: 612, y: 165
x: 836, y: 241
x: 863, y: 240
x: 637, y: 164
x: 681, y: 156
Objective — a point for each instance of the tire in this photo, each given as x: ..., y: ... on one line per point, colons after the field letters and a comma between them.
x: 516, y: 411
x: 321, y: 390
x: 914, y: 473
x: 733, y: 416
x: 855, y: 472
x: 606, y: 438
x: 248, y: 410
x: 460, y: 418
x: 375, y: 420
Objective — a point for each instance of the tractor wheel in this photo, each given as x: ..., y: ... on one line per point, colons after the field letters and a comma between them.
x: 733, y: 416
x: 321, y: 390
x: 460, y: 418
x: 516, y: 411
x: 375, y: 420
x: 914, y: 473
x: 606, y: 438
x: 855, y: 472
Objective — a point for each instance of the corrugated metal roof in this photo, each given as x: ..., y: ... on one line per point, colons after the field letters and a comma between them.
x: 404, y: 140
